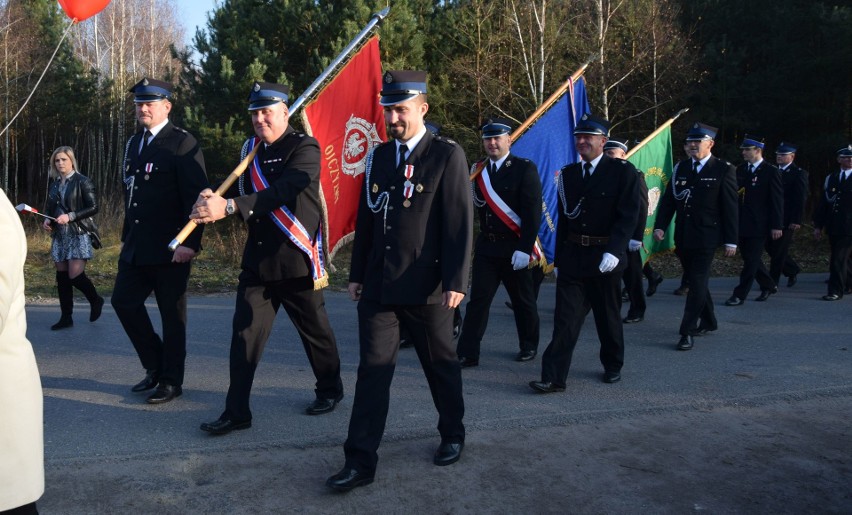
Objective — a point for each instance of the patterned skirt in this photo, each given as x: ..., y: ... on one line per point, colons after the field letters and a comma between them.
x: 67, y: 245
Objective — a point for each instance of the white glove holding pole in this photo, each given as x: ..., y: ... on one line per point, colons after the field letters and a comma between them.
x: 520, y: 260
x: 634, y: 245
x: 608, y: 263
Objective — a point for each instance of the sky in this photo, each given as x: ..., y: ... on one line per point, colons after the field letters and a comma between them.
x: 194, y: 14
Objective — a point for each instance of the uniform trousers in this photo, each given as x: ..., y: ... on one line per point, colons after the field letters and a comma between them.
x: 168, y: 282
x: 488, y: 273
x: 699, y: 304
x: 633, y: 283
x: 780, y: 259
x: 838, y: 267
x: 431, y: 329
x: 751, y: 250
x: 574, y: 298
x: 257, y: 304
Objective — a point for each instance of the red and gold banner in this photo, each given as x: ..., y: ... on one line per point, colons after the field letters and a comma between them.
x: 347, y: 120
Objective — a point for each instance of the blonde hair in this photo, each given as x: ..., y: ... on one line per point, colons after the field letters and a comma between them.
x: 68, y: 151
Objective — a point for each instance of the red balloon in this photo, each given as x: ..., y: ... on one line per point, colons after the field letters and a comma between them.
x: 80, y: 10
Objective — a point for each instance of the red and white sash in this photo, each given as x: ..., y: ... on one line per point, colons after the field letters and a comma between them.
x: 505, y: 213
x: 291, y: 227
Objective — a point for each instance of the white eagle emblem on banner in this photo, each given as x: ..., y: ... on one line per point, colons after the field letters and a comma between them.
x: 361, y: 136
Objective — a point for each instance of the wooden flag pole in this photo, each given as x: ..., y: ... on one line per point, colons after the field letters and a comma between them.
x: 653, y: 135
x: 552, y: 99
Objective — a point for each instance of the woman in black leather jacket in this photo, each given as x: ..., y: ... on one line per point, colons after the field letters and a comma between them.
x: 71, y: 200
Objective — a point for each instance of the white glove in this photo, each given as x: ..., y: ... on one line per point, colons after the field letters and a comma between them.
x: 608, y: 263
x: 634, y: 245
x: 520, y: 260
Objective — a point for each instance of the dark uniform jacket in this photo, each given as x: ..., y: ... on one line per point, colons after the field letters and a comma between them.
x: 417, y: 252
x: 795, y: 181
x: 158, y: 207
x: 707, y: 215
x: 608, y: 208
x: 761, y: 200
x: 291, y: 166
x: 518, y: 184
x: 642, y: 220
x: 834, y: 212
x: 79, y: 202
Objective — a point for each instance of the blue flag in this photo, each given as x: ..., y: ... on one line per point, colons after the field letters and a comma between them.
x: 549, y: 143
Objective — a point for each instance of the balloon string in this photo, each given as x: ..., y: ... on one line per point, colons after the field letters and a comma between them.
x: 42, y: 76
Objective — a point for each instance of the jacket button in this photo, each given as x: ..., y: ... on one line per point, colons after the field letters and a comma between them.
x: 388, y: 228
x: 251, y: 213
x: 134, y: 204
x: 392, y: 188
x: 387, y: 247
x: 260, y: 243
x: 136, y: 221
x: 390, y: 208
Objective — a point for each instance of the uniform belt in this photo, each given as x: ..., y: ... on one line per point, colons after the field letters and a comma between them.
x: 587, y: 241
x: 499, y: 236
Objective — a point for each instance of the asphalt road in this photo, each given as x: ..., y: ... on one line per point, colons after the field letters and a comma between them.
x: 785, y: 363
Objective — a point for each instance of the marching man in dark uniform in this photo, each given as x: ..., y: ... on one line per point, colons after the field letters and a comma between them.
x: 703, y: 193
x: 761, y: 213
x: 508, y: 195
x: 617, y: 149
x: 795, y: 181
x: 598, y: 208
x: 278, y: 198
x: 163, y: 173
x: 410, y: 262
x: 834, y: 217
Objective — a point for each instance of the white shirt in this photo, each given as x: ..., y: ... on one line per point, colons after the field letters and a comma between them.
x: 497, y: 164
x: 594, y: 162
x: 701, y: 162
x: 154, y: 131
x: 411, y: 143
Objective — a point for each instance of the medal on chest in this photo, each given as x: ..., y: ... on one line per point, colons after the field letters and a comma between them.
x: 149, y: 167
x: 408, y: 186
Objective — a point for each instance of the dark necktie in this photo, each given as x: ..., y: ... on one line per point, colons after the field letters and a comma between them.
x: 492, y: 169
x: 750, y: 169
x: 695, y: 165
x: 145, y: 136
x: 842, y: 177
x: 403, y: 149
x: 587, y: 171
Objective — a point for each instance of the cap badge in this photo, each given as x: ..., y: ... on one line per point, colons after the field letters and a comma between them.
x: 695, y: 126
x: 388, y: 77
x: 145, y: 81
x: 256, y: 86
x: 585, y: 116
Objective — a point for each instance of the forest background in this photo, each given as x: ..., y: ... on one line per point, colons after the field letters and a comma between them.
x: 777, y: 68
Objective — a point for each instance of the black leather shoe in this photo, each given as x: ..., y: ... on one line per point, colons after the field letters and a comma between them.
x: 405, y: 343
x: 734, y: 301
x: 96, y: 309
x: 831, y: 296
x: 792, y: 280
x: 764, y: 296
x: 702, y: 330
x: 64, y: 321
x: 683, y: 290
x: 447, y: 453
x: 652, y: 285
x: 632, y: 319
x: 525, y: 355
x: 468, y: 362
x: 164, y: 393
x: 546, y: 387
x: 223, y: 426
x: 611, y: 377
x: 149, y: 383
x: 322, y: 406
x: 685, y: 343
x: 347, y: 479
x: 625, y: 297
x: 456, y: 331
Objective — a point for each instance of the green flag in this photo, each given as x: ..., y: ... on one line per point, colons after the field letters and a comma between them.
x: 654, y: 159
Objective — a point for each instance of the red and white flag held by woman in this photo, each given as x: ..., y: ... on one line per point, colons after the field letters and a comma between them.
x: 347, y: 120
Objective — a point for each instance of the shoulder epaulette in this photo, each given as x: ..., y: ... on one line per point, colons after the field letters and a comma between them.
x: 446, y: 140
